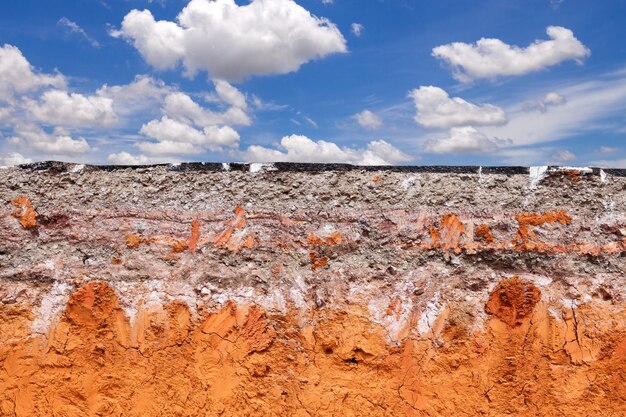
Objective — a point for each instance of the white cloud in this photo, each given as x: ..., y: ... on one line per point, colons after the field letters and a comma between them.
x: 125, y: 158
x: 553, y: 99
x: 169, y: 148
x: 58, y: 143
x: 357, y: 29
x: 13, y: 158
x: 73, y: 27
x: 17, y: 76
x: 462, y: 140
x: 524, y: 156
x: 143, y: 94
x: 233, y: 42
x: 556, y: 3
x: 261, y: 105
x: 380, y: 152
x: 564, y: 156
x: 186, y: 128
x: 549, y: 100
x: 368, y: 120
x: 588, y: 104
x: 230, y: 94
x: 5, y: 112
x: 297, y: 148
x: 178, y: 138
x: 327, y: 1
x: 609, y: 163
x: 435, y: 108
x: 310, y: 121
x: 180, y: 106
x: 160, y: 43
x: 72, y: 109
x: 490, y: 58
x: 607, y: 149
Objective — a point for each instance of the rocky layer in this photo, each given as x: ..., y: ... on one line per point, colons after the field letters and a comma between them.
x: 311, y: 290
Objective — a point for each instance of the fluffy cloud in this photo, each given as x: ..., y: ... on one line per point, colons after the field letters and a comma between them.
x: 435, y: 108
x: 181, y: 106
x: 143, y: 94
x: 59, y: 142
x: 462, y: 140
x: 490, y: 58
x: 72, y: 109
x: 368, y: 120
x: 230, y: 94
x: 17, y: 76
x: 125, y: 158
x: 12, y: 159
x: 297, y: 148
x: 232, y: 42
x: 178, y: 138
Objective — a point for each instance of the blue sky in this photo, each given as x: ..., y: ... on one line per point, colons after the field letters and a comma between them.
x: 364, y: 82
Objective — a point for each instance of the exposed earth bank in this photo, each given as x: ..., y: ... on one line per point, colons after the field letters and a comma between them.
x: 311, y: 290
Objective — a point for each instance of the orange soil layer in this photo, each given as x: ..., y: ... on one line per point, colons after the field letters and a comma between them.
x: 241, y: 362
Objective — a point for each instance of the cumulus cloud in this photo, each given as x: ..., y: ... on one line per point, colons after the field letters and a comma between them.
x: 179, y: 105
x: 17, y: 76
x: 462, y: 140
x: 230, y: 94
x: 357, y: 29
x: 368, y: 120
x: 34, y: 138
x: 298, y: 148
x: 435, y: 108
x: 143, y: 94
x: 178, y: 138
x: 490, y: 58
x: 72, y: 109
x: 187, y: 128
x: 125, y: 158
x: 43, y: 119
x: 73, y: 27
x: 233, y: 42
x: 12, y: 159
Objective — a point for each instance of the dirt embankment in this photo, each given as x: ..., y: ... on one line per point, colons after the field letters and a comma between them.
x: 191, y: 290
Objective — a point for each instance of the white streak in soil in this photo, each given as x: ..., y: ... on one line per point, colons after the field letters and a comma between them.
x: 434, y: 308
x: 536, y: 175
x: 51, y: 307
